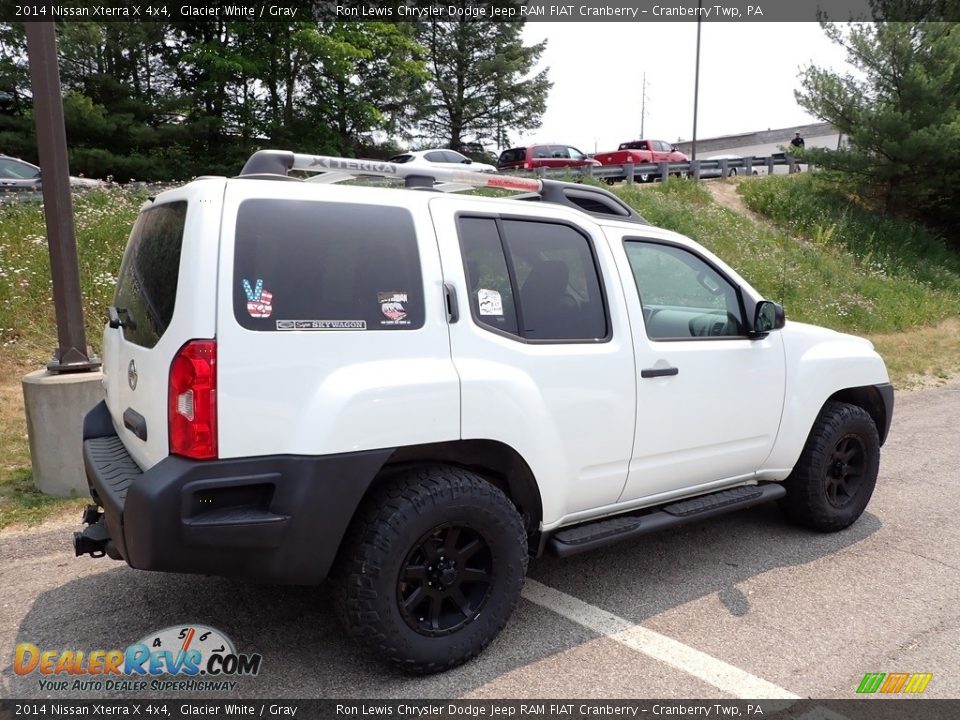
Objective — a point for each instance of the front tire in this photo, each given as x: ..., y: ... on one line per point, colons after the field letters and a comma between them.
x: 431, y: 569
x: 834, y: 478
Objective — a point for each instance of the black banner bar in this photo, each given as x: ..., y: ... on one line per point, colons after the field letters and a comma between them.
x: 642, y: 11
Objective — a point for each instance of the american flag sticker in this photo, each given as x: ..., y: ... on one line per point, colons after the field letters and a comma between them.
x: 259, y: 301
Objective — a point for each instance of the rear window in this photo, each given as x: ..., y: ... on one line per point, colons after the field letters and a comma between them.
x: 301, y: 265
x: 147, y: 285
x: 513, y: 155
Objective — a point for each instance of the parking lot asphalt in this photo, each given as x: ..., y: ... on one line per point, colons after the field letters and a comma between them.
x: 735, y: 606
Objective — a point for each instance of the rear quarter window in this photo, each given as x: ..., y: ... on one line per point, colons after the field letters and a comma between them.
x: 512, y: 155
x: 147, y: 284
x: 301, y: 265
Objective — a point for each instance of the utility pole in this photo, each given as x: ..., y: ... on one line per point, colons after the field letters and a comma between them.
x: 71, y: 355
x: 643, y: 105
x: 696, y: 87
x: 56, y: 400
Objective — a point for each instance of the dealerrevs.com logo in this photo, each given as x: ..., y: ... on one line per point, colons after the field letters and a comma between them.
x: 180, y: 658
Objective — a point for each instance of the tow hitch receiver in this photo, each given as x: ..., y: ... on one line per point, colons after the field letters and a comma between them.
x: 95, y: 539
x: 91, y: 514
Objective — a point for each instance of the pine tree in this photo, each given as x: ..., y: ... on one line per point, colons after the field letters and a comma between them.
x: 482, y: 86
x: 899, y: 109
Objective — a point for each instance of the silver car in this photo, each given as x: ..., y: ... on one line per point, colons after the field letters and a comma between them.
x: 16, y: 174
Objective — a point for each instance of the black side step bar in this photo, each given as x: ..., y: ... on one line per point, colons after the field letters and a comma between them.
x: 592, y: 535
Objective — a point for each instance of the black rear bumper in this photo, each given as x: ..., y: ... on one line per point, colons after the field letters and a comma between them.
x: 273, y: 519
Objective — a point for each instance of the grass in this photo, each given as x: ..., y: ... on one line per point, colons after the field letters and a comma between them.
x: 102, y: 219
x: 846, y: 272
x: 20, y: 502
x: 829, y: 261
x: 28, y: 328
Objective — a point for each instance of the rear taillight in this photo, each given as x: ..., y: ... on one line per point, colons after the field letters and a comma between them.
x: 192, y: 401
x: 528, y: 165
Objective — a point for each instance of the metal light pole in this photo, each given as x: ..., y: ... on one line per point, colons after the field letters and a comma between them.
x: 72, y: 354
x: 643, y: 105
x: 696, y: 87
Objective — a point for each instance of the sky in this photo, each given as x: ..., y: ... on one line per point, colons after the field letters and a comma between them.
x: 748, y: 73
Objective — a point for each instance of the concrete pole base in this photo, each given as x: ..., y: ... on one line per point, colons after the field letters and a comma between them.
x: 55, y: 406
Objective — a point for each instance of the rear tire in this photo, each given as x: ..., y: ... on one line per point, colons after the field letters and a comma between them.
x: 834, y: 478
x: 431, y: 569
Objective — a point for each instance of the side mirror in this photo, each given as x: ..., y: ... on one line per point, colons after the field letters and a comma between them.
x: 467, y: 161
x: 768, y: 316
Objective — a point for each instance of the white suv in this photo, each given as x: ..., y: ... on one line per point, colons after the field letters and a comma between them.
x: 415, y: 392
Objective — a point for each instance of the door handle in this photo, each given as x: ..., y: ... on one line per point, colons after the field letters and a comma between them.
x: 135, y: 423
x: 450, y: 296
x: 659, y: 372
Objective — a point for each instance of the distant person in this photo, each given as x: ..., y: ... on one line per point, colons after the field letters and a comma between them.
x: 797, y: 142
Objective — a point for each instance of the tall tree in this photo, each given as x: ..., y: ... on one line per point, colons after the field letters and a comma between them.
x: 370, y: 78
x: 899, y: 108
x: 482, y: 84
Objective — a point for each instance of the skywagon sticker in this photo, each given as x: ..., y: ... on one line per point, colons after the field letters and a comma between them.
x: 393, y: 307
x: 321, y: 324
x: 259, y: 301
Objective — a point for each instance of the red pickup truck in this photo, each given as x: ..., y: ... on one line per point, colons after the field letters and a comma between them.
x: 639, y: 152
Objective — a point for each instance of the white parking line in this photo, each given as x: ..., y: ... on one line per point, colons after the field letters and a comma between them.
x: 721, y: 675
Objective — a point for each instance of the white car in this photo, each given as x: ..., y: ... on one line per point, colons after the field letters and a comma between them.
x: 441, y: 159
x: 417, y: 393
x: 714, y: 172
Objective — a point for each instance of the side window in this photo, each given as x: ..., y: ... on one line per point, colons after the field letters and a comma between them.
x: 305, y: 265
x: 541, y: 151
x: 537, y: 280
x: 682, y: 296
x: 147, y: 283
x: 437, y: 156
x: 559, y: 151
x: 575, y: 154
x: 488, y: 282
x: 453, y: 157
x: 17, y: 170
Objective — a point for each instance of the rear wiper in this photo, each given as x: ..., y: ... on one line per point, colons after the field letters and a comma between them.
x: 121, y: 318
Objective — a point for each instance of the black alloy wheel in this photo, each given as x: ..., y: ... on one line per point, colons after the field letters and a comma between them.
x: 845, y: 470
x: 445, y: 580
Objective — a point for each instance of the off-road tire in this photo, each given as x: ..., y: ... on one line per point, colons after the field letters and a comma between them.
x: 834, y: 478
x: 399, y: 520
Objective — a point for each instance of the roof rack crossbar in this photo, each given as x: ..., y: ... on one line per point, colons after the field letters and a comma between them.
x: 281, y: 162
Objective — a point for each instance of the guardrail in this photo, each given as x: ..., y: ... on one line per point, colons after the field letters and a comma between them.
x: 697, y: 169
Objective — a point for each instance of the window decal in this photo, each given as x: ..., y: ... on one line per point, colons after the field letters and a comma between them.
x: 490, y: 302
x: 259, y: 301
x: 321, y: 325
x: 393, y: 307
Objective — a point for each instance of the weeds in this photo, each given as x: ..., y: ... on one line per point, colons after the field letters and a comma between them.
x: 831, y: 263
